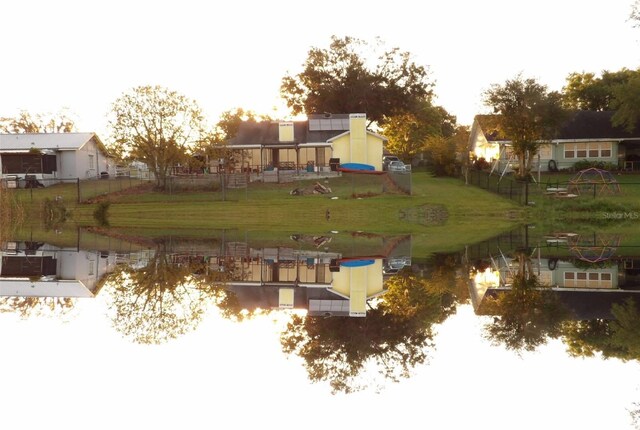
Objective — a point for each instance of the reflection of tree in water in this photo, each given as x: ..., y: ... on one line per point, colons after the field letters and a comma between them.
x: 26, y: 307
x: 395, y: 335
x: 527, y: 314
x: 617, y: 338
x: 168, y: 298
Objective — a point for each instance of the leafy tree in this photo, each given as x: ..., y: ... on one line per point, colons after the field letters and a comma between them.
x: 528, y: 114
x: 446, y: 155
x: 627, y: 103
x: 408, y: 131
x: 586, y: 91
x: 159, y: 302
x: 156, y: 126
x: 394, y: 336
x: 527, y: 314
x: 27, y: 307
x: 342, y: 79
x: 25, y: 122
x: 617, y: 338
x: 635, y: 13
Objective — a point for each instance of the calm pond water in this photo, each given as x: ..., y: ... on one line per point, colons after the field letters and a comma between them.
x: 246, y: 330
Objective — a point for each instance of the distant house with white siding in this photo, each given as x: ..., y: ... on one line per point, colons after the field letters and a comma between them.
x: 54, y: 156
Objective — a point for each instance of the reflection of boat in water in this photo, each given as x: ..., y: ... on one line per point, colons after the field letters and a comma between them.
x: 359, y: 168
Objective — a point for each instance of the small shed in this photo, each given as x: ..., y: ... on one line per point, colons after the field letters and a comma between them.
x: 598, y: 181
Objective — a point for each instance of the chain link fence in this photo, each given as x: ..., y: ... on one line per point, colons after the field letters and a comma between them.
x: 518, y: 191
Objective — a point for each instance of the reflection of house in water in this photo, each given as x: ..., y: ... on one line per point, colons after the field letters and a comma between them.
x: 321, y: 282
x: 36, y: 269
x: 587, y: 289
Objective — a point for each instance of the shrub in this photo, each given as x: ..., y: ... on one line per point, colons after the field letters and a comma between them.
x: 100, y: 214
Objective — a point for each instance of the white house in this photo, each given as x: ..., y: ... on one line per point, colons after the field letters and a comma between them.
x: 35, y: 269
x: 49, y: 156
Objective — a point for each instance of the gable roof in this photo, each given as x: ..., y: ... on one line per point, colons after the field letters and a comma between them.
x: 578, y: 125
x: 267, y: 133
x: 316, y: 129
x: 594, y: 125
x: 42, y: 141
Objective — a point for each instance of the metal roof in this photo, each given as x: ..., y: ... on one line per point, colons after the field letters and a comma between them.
x: 54, y: 141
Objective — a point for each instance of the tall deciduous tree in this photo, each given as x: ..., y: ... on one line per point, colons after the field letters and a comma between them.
x: 587, y: 91
x: 343, y: 79
x: 408, y: 131
x: 25, y: 122
x: 156, y: 126
x: 627, y: 104
x: 394, y: 336
x: 159, y: 302
x: 528, y: 115
x: 526, y: 315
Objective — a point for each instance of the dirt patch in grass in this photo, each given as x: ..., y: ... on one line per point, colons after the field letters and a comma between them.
x: 137, y: 190
x: 425, y: 215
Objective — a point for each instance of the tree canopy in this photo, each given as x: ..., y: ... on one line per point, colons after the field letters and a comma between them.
x: 408, y: 131
x: 344, y: 78
x: 617, y: 91
x: 527, y: 314
x: 25, y: 122
x: 156, y: 126
x: 528, y: 115
x: 587, y: 91
x: 394, y: 336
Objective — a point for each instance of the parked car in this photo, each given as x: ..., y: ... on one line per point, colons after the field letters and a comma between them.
x: 392, y: 266
x: 398, y: 166
x: 388, y: 159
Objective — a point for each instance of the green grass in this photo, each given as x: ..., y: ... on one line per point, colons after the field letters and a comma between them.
x: 470, y: 214
x: 267, y: 212
x: 599, y: 212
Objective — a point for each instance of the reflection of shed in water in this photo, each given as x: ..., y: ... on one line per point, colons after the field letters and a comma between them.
x: 30, y: 269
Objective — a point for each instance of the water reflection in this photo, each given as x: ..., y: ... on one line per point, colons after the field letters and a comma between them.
x: 583, y: 289
x: 352, y: 305
x: 42, y: 279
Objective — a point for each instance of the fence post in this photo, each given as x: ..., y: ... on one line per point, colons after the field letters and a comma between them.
x: 526, y: 193
x: 78, y: 188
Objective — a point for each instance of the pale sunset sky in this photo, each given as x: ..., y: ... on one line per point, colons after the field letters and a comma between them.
x: 82, y: 55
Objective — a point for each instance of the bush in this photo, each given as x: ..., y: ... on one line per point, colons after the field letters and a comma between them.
x: 100, y: 214
x: 55, y: 213
x: 481, y: 164
x: 587, y: 164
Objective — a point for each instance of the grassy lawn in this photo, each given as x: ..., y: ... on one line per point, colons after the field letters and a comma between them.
x: 442, y: 214
x: 603, y: 211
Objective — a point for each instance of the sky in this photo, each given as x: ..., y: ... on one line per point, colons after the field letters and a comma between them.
x: 83, y: 55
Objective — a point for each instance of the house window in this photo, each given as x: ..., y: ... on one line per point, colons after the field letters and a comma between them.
x: 91, y: 164
x: 590, y: 150
x: 569, y: 151
x: 587, y: 280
